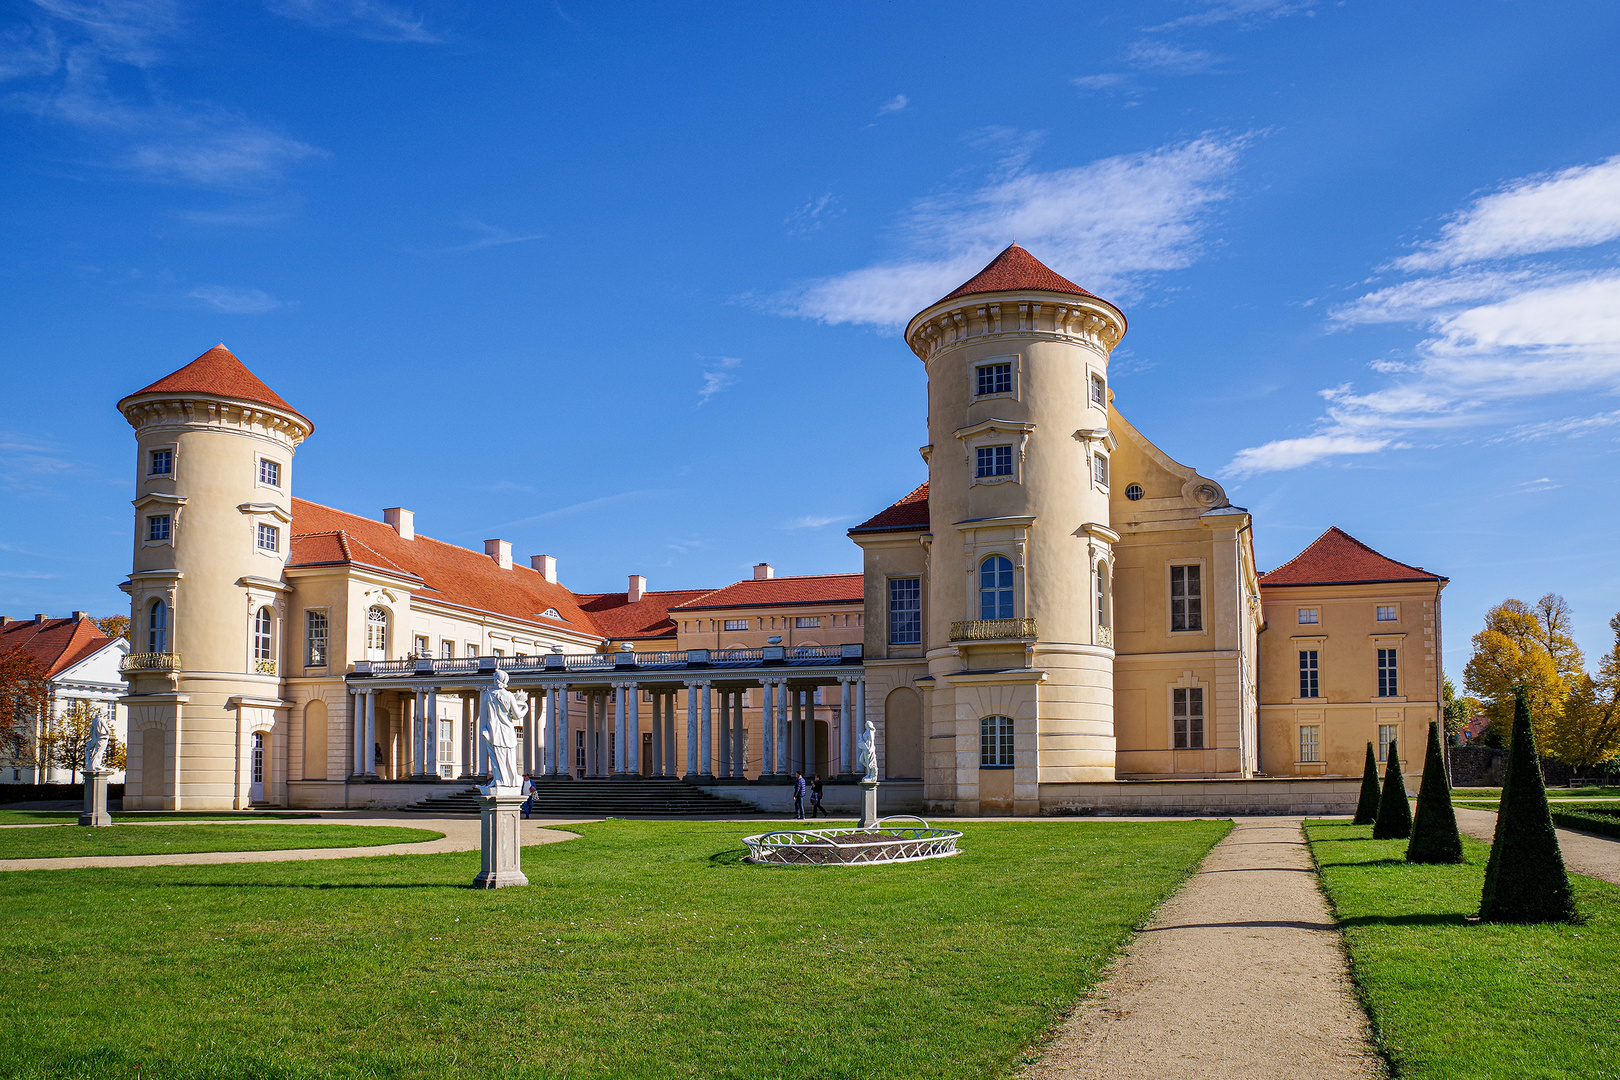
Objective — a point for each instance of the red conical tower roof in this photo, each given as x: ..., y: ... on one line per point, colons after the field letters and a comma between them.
x: 218, y: 373
x: 1013, y: 270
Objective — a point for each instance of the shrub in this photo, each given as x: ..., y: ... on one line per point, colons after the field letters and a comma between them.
x: 1394, y: 812
x: 1367, y: 805
x: 1434, y: 833
x: 1525, y: 880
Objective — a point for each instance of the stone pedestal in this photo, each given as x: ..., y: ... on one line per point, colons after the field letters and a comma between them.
x: 95, y: 800
x: 869, y: 812
x: 502, y: 856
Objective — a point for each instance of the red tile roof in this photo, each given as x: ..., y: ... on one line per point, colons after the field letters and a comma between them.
x: 56, y: 643
x: 910, y: 512
x: 219, y: 373
x: 449, y: 574
x: 1015, y: 270
x: 1337, y: 558
x: 772, y: 592
x: 646, y: 618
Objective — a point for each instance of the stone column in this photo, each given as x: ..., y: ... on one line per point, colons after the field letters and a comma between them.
x: 692, y: 727
x: 432, y: 716
x: 784, y: 747
x: 725, y: 733
x: 670, y: 757
x: 846, y: 729
x: 739, y: 737
x: 796, y: 732
x: 619, y: 745
x: 767, y: 744
x: 351, y: 713
x: 705, y: 750
x: 357, y: 732
x: 658, y: 733
x: 370, y: 739
x: 468, y: 736
x: 811, y: 764
x: 632, y: 729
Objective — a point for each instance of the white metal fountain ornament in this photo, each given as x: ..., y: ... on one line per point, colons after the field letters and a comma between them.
x: 499, y: 713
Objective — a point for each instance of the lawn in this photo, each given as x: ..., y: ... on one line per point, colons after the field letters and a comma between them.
x: 1451, y: 999
x: 1552, y: 793
x: 40, y: 817
x: 69, y: 841
x: 642, y: 949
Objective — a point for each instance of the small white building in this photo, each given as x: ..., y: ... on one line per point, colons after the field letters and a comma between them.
x: 83, y: 664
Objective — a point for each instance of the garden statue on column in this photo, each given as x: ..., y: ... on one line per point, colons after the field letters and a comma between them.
x: 95, y: 772
x: 869, y: 781
x: 500, y: 712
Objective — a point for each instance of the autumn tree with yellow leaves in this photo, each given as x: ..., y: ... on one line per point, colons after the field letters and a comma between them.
x: 1528, y: 646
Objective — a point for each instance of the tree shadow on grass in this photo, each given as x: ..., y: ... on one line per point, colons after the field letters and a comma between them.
x: 730, y: 857
x: 313, y: 886
x: 1368, y: 862
x: 1420, y: 918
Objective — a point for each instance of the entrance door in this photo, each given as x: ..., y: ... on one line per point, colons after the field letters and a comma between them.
x: 256, y: 791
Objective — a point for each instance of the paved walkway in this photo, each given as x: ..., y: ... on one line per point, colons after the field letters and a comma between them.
x: 1584, y: 853
x: 460, y: 834
x: 1240, y: 975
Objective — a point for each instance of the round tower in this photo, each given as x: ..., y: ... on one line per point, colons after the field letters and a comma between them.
x: 213, y: 510
x: 1020, y: 546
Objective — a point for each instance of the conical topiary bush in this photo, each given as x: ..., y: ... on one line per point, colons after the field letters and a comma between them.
x: 1434, y: 831
x: 1525, y: 881
x: 1367, y: 805
x: 1394, y: 812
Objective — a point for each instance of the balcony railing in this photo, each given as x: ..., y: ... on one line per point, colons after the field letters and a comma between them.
x: 564, y: 663
x: 151, y: 661
x: 993, y: 630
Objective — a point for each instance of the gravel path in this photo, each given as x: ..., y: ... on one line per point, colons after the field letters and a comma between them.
x: 1584, y: 853
x: 1240, y: 975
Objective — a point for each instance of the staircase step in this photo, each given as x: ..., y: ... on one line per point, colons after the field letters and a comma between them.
x: 600, y: 798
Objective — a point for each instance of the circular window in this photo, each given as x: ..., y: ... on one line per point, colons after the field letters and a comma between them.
x: 1133, y: 492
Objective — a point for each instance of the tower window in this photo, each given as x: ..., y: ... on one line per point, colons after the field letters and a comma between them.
x: 1099, y: 392
x: 995, y: 460
x: 996, y: 742
x: 316, y: 637
x: 1099, y: 468
x: 1388, y: 683
x: 905, y: 611
x: 1186, y: 598
x: 1102, y: 594
x: 157, y: 627
x: 263, y: 634
x: 157, y: 527
x: 162, y: 463
x: 269, y: 472
x: 994, y: 379
x: 269, y: 538
x: 1308, y: 686
x: 377, y: 634
x: 996, y: 588
x: 1187, y: 717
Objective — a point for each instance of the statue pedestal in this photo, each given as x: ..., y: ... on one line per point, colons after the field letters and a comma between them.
x: 502, y: 861
x: 95, y: 800
x: 869, y: 814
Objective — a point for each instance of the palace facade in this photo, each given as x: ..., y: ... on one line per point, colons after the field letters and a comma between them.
x: 1062, y: 618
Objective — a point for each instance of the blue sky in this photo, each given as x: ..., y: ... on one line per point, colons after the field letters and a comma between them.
x: 621, y: 282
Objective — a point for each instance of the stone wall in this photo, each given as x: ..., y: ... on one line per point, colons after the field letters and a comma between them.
x: 1219, y: 798
x: 1485, y: 766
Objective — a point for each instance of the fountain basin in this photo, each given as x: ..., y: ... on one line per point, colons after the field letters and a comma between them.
x: 885, y: 841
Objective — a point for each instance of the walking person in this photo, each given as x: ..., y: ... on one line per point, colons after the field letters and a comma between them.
x: 527, y: 791
x: 815, y: 797
x: 798, y: 795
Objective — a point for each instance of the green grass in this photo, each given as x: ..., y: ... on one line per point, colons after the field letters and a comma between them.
x: 1552, y: 792
x: 68, y: 841
x: 1450, y: 999
x: 38, y: 817
x: 642, y: 949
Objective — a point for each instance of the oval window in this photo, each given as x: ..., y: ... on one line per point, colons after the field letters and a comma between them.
x: 1133, y: 492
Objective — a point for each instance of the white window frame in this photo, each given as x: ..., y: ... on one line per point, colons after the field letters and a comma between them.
x: 979, y: 589
x: 1099, y: 470
x: 1310, y: 744
x: 378, y: 631
x: 447, y: 649
x: 807, y: 622
x: 1310, y: 616
x: 1194, y: 691
x: 151, y: 461
x: 1170, y: 598
x: 153, y: 525
x: 1387, y: 733
x: 998, y: 743
x: 271, y: 464
x: 263, y: 529
x: 994, y: 452
x: 325, y: 615
x: 422, y: 645
x: 991, y: 433
x: 1390, y: 686
x: 1098, y: 390
x: 910, y: 615
x: 1014, y: 362
x: 1393, y: 609
x: 736, y: 624
x: 262, y: 631
x: 1314, y: 671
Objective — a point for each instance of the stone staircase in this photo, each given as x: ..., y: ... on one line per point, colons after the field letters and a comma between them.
x: 602, y: 798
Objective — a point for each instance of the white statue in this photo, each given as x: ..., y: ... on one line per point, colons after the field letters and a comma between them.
x: 868, y: 755
x: 101, y: 736
x: 499, y: 713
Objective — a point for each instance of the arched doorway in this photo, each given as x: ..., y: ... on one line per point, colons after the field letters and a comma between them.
x: 902, y: 735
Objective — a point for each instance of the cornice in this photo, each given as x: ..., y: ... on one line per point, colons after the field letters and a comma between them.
x: 1081, y: 320
x: 199, y: 412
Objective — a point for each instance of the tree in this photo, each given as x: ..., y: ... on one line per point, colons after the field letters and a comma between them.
x: 1367, y: 805
x: 1434, y: 832
x: 1457, y: 710
x: 1530, y: 647
x: 1588, y: 731
x: 114, y: 626
x: 67, y: 736
x: 25, y: 697
x: 1394, y: 812
x: 1525, y: 880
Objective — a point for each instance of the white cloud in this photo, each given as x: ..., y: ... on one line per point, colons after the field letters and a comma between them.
x: 1293, y: 453
x: 1107, y: 225
x: 1168, y: 58
x: 231, y: 301
x: 811, y: 521
x: 374, y: 20
x: 1574, y: 426
x: 492, y: 236
x: 1249, y: 11
x: 718, y: 377
x: 1108, y: 80
x: 898, y: 103
x: 816, y: 211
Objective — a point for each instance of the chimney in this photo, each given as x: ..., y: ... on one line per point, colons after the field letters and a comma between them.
x: 6, y: 620
x: 638, y: 588
x: 402, y: 521
x: 547, y: 565
x: 80, y: 616
x: 41, y: 618
x: 500, y: 551
x: 763, y: 571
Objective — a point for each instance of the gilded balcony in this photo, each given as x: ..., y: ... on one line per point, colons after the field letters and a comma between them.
x: 993, y: 630
x: 151, y: 661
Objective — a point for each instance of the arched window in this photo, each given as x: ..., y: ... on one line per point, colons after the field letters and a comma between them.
x: 996, y: 588
x: 996, y: 741
x: 263, y: 633
x: 1104, y: 614
x: 377, y: 634
x: 157, y: 627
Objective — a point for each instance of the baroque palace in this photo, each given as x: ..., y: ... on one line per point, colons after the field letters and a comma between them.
x: 1062, y: 619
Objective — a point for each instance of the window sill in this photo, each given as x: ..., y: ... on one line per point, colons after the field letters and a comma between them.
x: 1312, y: 701
x: 993, y: 768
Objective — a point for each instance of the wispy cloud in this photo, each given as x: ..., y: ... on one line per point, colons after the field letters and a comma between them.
x: 816, y: 211
x: 1240, y: 11
x: 1572, y: 426
x: 374, y: 20
x: 811, y: 521
x: 898, y: 103
x: 492, y: 236
x: 231, y: 301
x: 34, y: 464
x: 720, y: 375
x: 1499, y: 330
x: 1109, y: 225
x: 572, y: 509
x: 1149, y: 56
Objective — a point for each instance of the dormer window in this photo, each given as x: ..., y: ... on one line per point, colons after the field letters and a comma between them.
x: 552, y: 613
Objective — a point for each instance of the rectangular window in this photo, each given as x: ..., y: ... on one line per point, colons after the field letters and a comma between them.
x: 447, y: 650
x: 905, y: 611
x: 1186, y: 598
x: 1099, y: 392
x: 1309, y: 616
x: 1310, y: 742
x: 316, y: 638
x: 269, y: 538
x: 995, y: 742
x: 472, y: 652
x: 499, y: 653
x: 1187, y: 717
x: 269, y: 472
x: 736, y: 624
x: 994, y: 379
x: 423, y: 647
x: 447, y: 746
x: 157, y: 527
x: 162, y: 463
x: 1387, y: 733
x: 995, y: 460
x: 1099, y: 468
x: 1386, y: 613
x: 1307, y: 674
x: 1388, y: 683
x: 807, y: 622
x: 579, y: 748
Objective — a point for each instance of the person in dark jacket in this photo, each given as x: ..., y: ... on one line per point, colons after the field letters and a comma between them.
x: 815, y: 797
x: 798, y: 795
